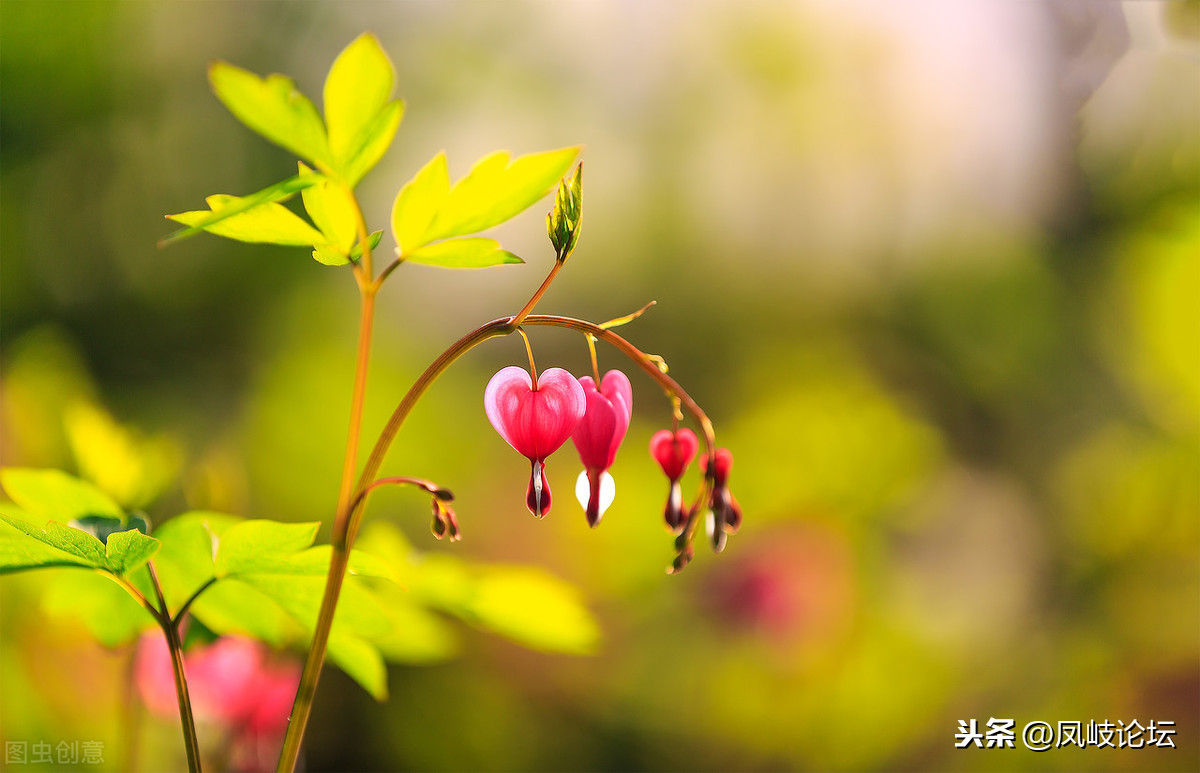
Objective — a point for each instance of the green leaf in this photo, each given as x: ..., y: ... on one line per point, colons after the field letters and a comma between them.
x: 233, y: 607
x: 527, y: 605
x: 77, y: 543
x: 268, y: 223
x: 54, y: 494
x: 280, y: 191
x: 358, y: 85
x: 185, y: 558
x: 331, y: 208
x: 358, y: 612
x: 372, y: 142
x: 496, y: 190
x: 274, y: 108
x: 102, y: 526
x: 18, y: 552
x: 474, y: 252
x: 315, y: 562
x: 129, y: 550
x: 362, y: 662
x: 131, y: 468
x: 251, y: 546
x: 374, y: 238
x: 418, y: 203
x: 361, y: 121
x: 535, y: 609
x: 125, y: 552
x: 419, y: 636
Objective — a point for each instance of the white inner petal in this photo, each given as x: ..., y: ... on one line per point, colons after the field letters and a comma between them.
x: 608, y: 490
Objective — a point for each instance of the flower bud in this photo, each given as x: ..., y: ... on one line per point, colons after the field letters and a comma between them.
x: 724, y: 513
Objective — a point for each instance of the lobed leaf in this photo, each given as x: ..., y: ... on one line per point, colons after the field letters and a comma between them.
x: 128, y: 550
x: 418, y: 635
x: 417, y: 204
x: 361, y: 661
x: 331, y: 208
x: 185, y: 559
x: 274, y: 108
x: 18, y: 553
x: 358, y: 611
x: 280, y: 191
x: 54, y: 494
x: 372, y: 142
x: 251, y: 546
x: 474, y: 252
x: 496, y: 189
x: 533, y: 608
x: 356, y: 89
x: 233, y: 607
x: 269, y: 223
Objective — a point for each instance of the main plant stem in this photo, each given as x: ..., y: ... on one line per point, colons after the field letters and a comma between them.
x: 171, y: 631
x: 368, y: 286
x: 302, y: 706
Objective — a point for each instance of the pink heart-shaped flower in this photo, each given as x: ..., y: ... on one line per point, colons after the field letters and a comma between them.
x: 536, y: 422
x: 601, y: 431
x: 605, y: 421
x: 674, y: 451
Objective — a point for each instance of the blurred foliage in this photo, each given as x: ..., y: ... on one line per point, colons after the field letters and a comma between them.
x: 932, y: 270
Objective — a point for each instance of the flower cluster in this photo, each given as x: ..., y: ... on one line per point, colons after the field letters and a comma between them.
x: 537, y: 413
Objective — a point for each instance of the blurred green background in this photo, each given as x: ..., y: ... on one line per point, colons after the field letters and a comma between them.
x: 932, y: 268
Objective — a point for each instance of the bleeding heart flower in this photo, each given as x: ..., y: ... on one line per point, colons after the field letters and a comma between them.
x: 674, y: 451
x: 535, y: 421
x: 725, y: 514
x: 598, y: 437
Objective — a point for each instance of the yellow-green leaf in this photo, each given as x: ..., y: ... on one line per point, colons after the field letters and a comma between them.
x: 331, y: 208
x: 55, y: 494
x: 18, y: 552
x: 418, y: 203
x: 372, y: 142
x: 274, y: 108
x: 129, y: 550
x: 266, y: 223
x: 356, y: 89
x: 534, y: 608
x: 249, y: 546
x: 496, y: 189
x: 361, y: 661
x: 280, y: 191
x: 463, y: 253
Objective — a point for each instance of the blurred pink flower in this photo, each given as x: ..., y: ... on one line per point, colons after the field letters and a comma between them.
x: 233, y: 684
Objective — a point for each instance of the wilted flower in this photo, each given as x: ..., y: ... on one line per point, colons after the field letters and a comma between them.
x: 535, y: 421
x: 674, y: 451
x: 598, y: 437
